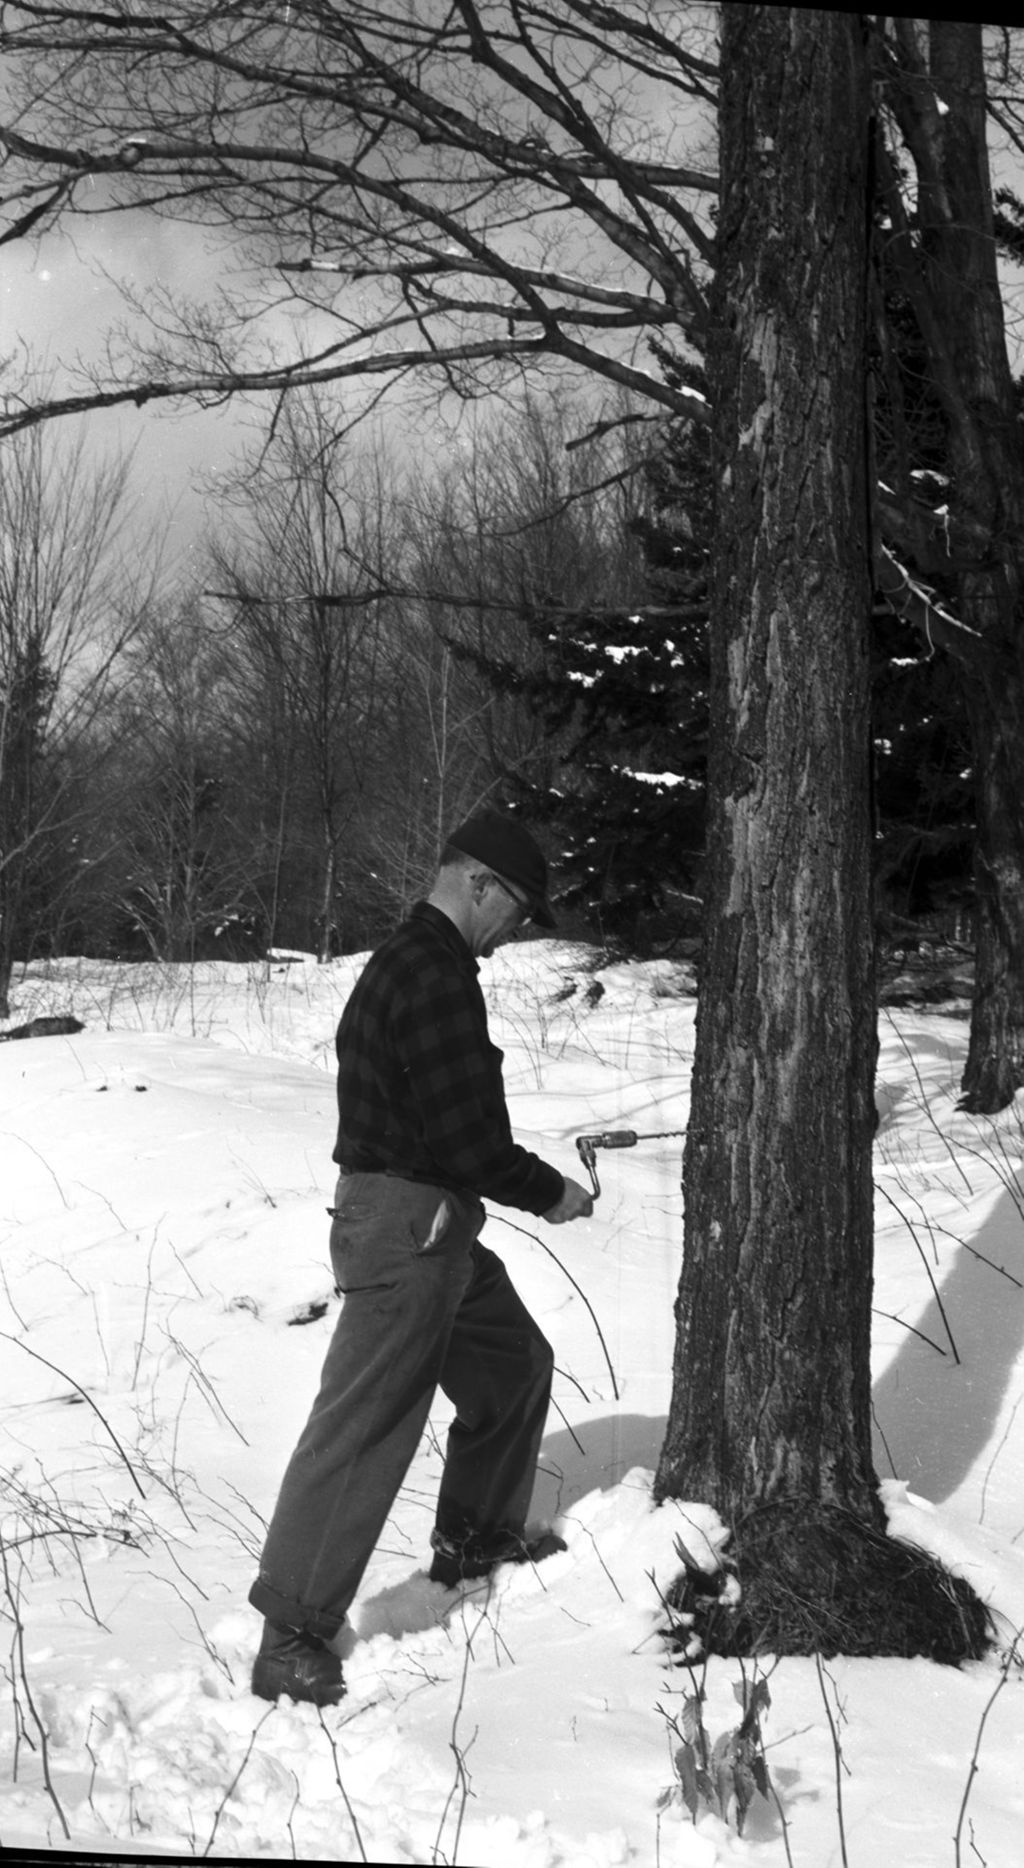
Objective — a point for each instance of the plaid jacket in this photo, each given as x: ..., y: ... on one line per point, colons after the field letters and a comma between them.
x: 420, y: 1089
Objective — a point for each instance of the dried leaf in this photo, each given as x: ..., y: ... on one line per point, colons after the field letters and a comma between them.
x: 744, y: 1787
x: 683, y: 1554
x: 686, y: 1765
x: 691, y: 1719
x: 760, y: 1698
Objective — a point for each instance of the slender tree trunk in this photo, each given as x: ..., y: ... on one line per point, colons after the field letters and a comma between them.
x: 6, y: 962
x: 994, y: 1071
x: 771, y: 1395
x: 329, y: 885
x: 271, y: 938
x: 988, y: 490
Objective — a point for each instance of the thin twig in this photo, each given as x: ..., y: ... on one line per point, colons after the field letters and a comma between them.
x: 924, y: 1260
x: 232, y: 1787
x: 145, y: 1311
x: 19, y: 1650
x: 891, y: 1318
x: 1004, y: 1673
x: 461, y: 1780
x: 95, y: 1768
x: 14, y: 1136
x: 344, y: 1793
x: 216, y: 1657
x: 881, y: 1434
x: 7, y: 1291
x: 34, y: 1353
x: 204, y: 1383
x: 291, y: 1813
x: 1006, y: 1175
x: 837, y: 1754
x: 568, y: 1376
x: 925, y: 1104
x: 576, y: 1287
x: 577, y: 1442
x: 777, y: 1800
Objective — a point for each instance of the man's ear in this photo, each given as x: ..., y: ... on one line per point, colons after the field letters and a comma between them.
x: 478, y: 881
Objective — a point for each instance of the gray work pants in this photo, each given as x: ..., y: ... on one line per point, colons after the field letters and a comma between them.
x: 425, y: 1305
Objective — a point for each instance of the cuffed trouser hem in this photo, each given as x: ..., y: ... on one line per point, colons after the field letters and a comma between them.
x: 287, y: 1613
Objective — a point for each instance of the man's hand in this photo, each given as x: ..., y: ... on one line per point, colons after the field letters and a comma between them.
x: 576, y: 1203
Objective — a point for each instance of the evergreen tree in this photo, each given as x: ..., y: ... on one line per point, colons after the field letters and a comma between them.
x: 623, y: 696
x: 628, y: 809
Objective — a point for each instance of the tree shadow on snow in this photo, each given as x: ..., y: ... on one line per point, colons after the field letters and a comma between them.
x: 593, y: 1456
x: 935, y: 1416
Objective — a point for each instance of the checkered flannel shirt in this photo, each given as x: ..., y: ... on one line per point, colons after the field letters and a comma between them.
x: 420, y: 1089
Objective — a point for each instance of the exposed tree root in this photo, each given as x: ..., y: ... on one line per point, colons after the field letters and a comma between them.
x: 828, y: 1583
x: 992, y: 1087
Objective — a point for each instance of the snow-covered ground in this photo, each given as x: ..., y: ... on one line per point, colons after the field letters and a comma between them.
x: 166, y: 1303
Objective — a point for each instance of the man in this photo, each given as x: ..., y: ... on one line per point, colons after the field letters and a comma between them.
x: 423, y: 1135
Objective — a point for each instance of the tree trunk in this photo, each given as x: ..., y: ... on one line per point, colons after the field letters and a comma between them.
x: 329, y: 883
x: 994, y: 1071
x: 988, y: 489
x: 770, y: 1418
x: 6, y: 974
x: 770, y: 1410
x: 772, y: 1369
x: 952, y: 279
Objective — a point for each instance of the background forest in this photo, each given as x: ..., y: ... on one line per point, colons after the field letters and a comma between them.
x: 266, y: 748
x: 380, y: 625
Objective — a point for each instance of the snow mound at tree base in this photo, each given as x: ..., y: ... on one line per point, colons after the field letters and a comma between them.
x: 812, y: 1579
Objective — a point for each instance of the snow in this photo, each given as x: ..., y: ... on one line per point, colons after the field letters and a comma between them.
x: 163, y: 1251
x: 660, y: 778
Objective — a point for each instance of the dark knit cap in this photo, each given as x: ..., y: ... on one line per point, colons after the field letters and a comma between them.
x: 508, y: 849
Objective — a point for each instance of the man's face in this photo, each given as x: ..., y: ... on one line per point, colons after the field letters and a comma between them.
x: 500, y: 912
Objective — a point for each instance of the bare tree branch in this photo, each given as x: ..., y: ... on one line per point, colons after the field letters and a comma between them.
x: 917, y: 605
x: 376, y: 163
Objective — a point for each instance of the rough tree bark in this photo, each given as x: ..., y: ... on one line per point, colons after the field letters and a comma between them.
x: 770, y: 1413
x: 777, y: 1272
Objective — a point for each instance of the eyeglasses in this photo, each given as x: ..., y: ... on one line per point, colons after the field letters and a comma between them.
x: 525, y: 911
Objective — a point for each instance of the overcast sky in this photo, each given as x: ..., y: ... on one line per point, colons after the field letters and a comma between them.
x: 61, y: 294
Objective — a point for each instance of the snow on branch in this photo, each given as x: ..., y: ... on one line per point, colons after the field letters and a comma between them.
x: 918, y: 606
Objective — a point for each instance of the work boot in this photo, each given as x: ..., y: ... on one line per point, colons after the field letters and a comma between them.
x: 454, y: 1562
x: 298, y: 1664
